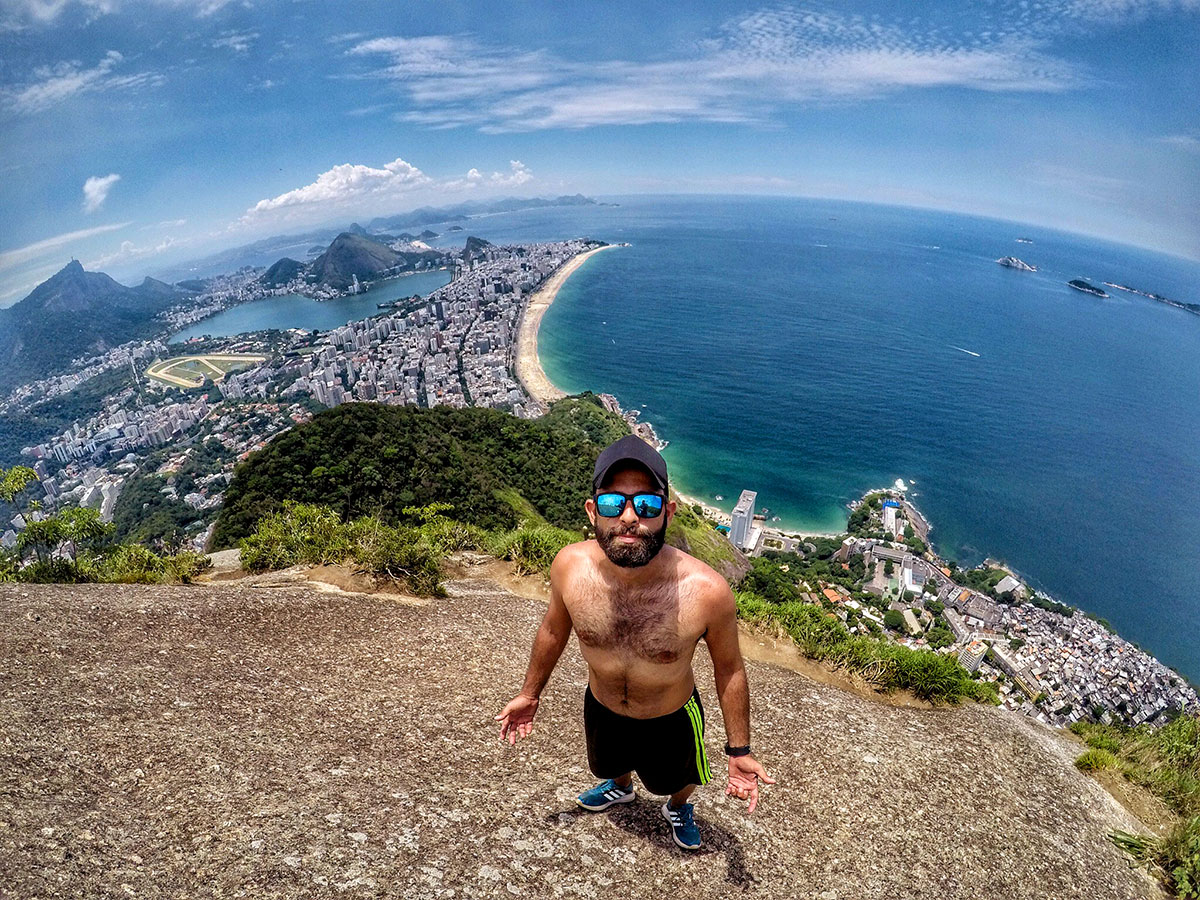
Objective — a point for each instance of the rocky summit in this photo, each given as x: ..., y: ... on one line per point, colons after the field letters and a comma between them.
x: 263, y: 738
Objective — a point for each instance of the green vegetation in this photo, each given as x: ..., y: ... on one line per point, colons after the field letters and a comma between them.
x: 531, y: 548
x: 1095, y: 760
x: 1174, y: 858
x: 412, y: 553
x: 150, y: 510
x: 983, y: 580
x: 768, y: 580
x: 1061, y: 608
x: 74, y: 546
x: 1165, y: 760
x: 146, y: 513
x: 931, y: 676
x: 939, y: 636
x: 583, y: 415
x: 366, y: 459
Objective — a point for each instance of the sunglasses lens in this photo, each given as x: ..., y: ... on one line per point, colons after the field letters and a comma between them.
x: 647, y: 506
x: 610, y: 505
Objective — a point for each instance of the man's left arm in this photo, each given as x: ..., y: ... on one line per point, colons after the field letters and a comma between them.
x: 733, y: 690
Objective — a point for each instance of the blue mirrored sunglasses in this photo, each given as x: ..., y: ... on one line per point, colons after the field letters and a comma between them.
x: 611, y: 504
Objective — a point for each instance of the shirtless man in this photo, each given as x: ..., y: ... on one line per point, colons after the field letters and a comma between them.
x: 639, y: 608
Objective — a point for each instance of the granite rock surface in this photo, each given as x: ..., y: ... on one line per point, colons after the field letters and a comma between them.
x: 265, y: 739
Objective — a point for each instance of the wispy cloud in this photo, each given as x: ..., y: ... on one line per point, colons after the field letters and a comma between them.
x: 130, y: 251
x: 1185, y: 141
x: 19, y: 255
x: 16, y: 14
x: 1120, y: 9
x: 95, y: 191
x: 56, y: 84
x: 1105, y: 189
x: 237, y: 41
x: 754, y: 66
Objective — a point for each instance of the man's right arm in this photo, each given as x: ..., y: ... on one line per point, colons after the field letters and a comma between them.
x: 516, y: 719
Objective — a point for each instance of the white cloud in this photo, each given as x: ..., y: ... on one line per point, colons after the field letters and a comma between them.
x: 346, y: 184
x: 518, y: 174
x: 1185, y: 141
x: 95, y: 191
x: 23, y: 13
x: 1123, y: 9
x: 128, y: 250
x: 55, y: 84
x: 359, y: 189
x: 15, y: 257
x: 237, y: 41
x: 755, y: 65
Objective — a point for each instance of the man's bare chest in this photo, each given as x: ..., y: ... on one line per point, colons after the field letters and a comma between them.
x: 653, y: 625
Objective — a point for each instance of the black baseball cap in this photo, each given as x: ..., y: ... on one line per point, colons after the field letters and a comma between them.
x: 630, y: 448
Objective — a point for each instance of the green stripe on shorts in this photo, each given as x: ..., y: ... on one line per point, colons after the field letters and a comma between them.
x: 693, y: 712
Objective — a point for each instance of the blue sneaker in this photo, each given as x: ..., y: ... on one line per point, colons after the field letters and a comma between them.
x: 604, y: 795
x: 683, y: 826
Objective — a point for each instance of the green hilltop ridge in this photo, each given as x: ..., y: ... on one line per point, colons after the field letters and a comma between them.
x: 352, y: 255
x: 493, y: 470
x: 362, y: 458
x: 282, y: 272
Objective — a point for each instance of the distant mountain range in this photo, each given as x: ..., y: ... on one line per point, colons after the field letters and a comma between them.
x: 266, y: 251
x: 72, y: 314
x: 428, y: 214
x: 77, y: 313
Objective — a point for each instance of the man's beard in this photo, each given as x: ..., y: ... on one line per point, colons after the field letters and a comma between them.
x: 631, y: 556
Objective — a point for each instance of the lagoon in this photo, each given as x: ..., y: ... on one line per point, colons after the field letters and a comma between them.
x: 295, y: 311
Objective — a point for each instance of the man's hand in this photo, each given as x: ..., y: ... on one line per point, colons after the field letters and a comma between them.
x: 517, y: 718
x: 745, y: 772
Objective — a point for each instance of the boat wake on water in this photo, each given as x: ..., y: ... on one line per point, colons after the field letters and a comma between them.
x: 965, y: 350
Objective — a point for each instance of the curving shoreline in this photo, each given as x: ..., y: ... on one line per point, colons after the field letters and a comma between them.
x: 529, y: 369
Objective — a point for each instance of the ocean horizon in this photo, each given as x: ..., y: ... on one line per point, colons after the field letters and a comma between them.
x: 811, y: 350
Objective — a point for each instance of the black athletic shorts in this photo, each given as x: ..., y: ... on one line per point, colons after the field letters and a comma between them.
x: 666, y: 752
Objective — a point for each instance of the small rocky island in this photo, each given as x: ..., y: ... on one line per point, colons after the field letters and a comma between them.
x: 1080, y: 285
x: 1013, y: 263
x: 1189, y: 307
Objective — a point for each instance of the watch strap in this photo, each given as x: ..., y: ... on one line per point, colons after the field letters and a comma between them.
x: 737, y: 751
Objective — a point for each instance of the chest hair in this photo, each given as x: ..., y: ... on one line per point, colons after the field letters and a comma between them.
x: 643, y: 622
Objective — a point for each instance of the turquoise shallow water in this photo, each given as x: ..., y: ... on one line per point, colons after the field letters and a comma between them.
x: 812, y: 350
x: 294, y: 311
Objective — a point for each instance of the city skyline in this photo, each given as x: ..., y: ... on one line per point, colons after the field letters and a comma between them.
x: 141, y: 134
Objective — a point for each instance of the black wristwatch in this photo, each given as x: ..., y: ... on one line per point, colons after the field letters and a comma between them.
x: 737, y: 751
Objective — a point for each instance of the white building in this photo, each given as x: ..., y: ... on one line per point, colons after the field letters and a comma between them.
x: 891, y: 511
x: 743, y: 518
x: 972, y: 655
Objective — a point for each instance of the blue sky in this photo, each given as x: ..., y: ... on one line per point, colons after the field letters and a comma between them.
x: 137, y: 133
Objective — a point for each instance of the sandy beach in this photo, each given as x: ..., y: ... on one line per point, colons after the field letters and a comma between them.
x: 529, y: 367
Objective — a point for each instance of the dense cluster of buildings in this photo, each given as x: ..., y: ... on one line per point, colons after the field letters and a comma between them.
x: 454, y: 349
x: 129, y: 354
x: 1053, y: 664
x: 122, y: 427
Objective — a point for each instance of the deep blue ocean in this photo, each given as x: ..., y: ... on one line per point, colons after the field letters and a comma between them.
x: 812, y: 350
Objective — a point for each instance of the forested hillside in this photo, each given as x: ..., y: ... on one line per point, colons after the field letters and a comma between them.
x: 364, y: 458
